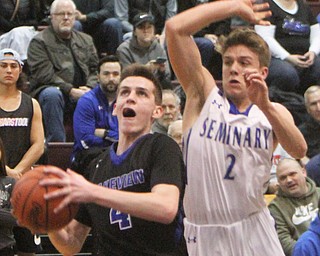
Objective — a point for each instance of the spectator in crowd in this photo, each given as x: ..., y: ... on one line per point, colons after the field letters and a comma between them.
x: 97, y: 18
x: 294, y: 41
x: 227, y: 165
x: 278, y: 154
x: 144, y: 48
x: 94, y: 125
x: 20, y: 22
x: 171, y: 112
x: 132, y: 185
x: 207, y: 38
x: 63, y: 65
x: 296, y: 203
x: 126, y: 10
x: 21, y: 131
x: 311, y: 129
x: 7, y: 220
x: 175, y: 131
x: 308, y: 243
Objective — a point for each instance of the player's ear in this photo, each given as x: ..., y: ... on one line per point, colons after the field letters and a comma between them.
x: 157, y: 112
x: 264, y: 72
x: 114, y: 109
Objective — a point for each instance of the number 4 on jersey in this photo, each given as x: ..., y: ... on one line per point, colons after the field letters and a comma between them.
x: 123, y: 219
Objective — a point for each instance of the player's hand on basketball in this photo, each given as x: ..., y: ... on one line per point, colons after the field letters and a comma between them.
x: 257, y: 88
x: 73, y: 187
x: 13, y: 173
x: 255, y: 13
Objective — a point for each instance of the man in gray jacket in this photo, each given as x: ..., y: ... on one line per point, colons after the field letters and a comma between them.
x: 296, y: 203
x: 63, y: 65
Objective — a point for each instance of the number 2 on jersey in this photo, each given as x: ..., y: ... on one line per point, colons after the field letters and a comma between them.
x: 229, y: 175
x: 123, y: 219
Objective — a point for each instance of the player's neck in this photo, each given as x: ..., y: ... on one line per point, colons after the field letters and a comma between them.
x: 9, y: 90
x: 125, y: 141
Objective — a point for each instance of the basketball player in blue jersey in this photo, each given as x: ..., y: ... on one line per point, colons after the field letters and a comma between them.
x: 133, y: 202
x: 229, y: 134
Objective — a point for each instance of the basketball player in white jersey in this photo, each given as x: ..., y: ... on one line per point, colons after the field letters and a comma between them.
x: 229, y: 134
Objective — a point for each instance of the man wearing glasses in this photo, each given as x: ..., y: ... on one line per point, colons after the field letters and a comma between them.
x: 63, y: 66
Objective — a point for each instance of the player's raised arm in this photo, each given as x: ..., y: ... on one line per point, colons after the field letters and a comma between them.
x: 183, y: 52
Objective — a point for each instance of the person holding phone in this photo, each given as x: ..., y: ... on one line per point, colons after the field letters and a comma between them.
x: 145, y: 48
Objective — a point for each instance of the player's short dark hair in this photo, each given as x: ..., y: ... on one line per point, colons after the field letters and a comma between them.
x: 108, y: 58
x: 248, y: 38
x: 146, y: 72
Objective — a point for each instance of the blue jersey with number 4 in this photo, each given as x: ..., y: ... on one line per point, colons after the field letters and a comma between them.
x: 153, y: 159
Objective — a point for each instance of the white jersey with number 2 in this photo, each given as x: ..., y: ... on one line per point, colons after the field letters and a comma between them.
x: 228, y: 158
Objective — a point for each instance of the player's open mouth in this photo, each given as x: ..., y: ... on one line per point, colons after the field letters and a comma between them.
x: 234, y: 81
x: 128, y: 112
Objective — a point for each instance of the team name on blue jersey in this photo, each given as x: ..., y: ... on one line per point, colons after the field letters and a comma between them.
x: 126, y: 180
x: 234, y: 135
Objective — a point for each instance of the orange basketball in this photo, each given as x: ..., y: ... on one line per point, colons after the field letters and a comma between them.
x: 32, y: 210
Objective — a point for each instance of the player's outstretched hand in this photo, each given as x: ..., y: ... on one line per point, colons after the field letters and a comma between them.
x: 255, y: 13
x: 73, y: 187
x: 257, y: 88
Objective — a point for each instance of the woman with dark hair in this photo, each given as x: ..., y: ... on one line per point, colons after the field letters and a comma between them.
x: 7, y: 221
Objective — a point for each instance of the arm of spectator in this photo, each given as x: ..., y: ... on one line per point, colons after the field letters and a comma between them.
x: 6, y: 218
x: 212, y: 37
x: 6, y: 25
x: 283, y: 230
x: 36, y: 140
x: 106, y: 11
x: 306, y: 247
x: 121, y: 10
x: 124, y: 56
x: 92, y: 64
x: 315, y: 39
x: 76, y: 93
x: 42, y: 68
x: 268, y: 34
x: 84, y: 126
x: 172, y: 8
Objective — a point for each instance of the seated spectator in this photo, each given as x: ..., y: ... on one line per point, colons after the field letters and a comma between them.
x: 175, y: 131
x: 308, y: 243
x: 171, y: 112
x: 207, y: 38
x: 97, y: 19
x: 63, y: 66
x: 294, y: 41
x: 311, y: 128
x: 94, y: 125
x: 295, y: 205
x: 126, y: 10
x: 7, y: 221
x: 144, y: 48
x: 21, y: 131
x: 20, y: 22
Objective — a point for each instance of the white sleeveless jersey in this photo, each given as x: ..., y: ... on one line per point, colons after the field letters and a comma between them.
x: 228, y: 158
